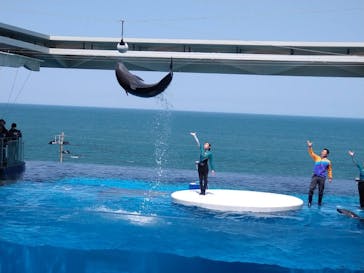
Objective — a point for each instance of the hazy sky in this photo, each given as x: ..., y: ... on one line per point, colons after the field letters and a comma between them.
x: 258, y: 20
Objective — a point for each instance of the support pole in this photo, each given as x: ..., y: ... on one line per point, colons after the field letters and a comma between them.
x: 61, y: 147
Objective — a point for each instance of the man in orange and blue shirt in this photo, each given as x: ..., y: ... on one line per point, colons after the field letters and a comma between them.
x: 321, y: 170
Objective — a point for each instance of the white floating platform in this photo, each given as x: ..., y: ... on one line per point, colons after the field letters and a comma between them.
x: 237, y: 200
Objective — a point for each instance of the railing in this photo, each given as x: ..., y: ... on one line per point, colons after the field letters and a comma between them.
x: 12, y: 151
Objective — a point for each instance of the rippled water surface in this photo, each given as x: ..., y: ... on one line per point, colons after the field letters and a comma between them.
x: 128, y: 211
x: 108, y: 208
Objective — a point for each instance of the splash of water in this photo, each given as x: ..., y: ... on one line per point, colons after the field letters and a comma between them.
x: 161, y: 130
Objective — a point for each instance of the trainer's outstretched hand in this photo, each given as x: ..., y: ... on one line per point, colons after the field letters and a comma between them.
x: 309, y: 144
x: 351, y: 153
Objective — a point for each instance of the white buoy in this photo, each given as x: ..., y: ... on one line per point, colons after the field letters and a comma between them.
x: 237, y: 200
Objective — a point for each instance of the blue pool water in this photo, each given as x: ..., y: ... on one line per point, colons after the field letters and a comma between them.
x: 93, y: 218
x: 110, y: 209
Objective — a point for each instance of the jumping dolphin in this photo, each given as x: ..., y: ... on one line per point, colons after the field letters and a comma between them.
x: 350, y: 214
x: 135, y: 85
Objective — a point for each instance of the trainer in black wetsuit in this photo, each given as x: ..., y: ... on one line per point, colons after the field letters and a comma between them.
x: 360, y: 179
x: 206, y: 159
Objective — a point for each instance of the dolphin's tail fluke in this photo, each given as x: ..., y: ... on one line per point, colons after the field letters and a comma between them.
x: 171, y: 65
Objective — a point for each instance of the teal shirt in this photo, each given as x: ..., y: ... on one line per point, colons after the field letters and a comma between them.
x: 206, y: 155
x: 361, y: 169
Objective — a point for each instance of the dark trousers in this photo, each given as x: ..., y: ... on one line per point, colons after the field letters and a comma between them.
x: 361, y: 193
x: 320, y: 182
x: 203, y: 172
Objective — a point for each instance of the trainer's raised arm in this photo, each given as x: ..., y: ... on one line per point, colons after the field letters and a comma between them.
x: 195, y: 137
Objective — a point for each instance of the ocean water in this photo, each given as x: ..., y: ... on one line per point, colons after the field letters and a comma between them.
x: 255, y: 144
x: 109, y: 210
